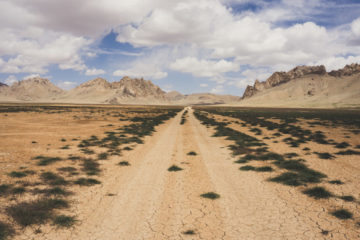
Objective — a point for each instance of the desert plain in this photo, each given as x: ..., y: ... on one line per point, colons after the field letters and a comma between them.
x: 172, y: 172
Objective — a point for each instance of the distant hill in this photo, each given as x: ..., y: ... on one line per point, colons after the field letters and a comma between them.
x: 306, y: 86
x: 303, y: 86
x: 32, y: 89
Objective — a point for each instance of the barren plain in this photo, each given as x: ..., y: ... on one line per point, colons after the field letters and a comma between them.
x: 148, y: 172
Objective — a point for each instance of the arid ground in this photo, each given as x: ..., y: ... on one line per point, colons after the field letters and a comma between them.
x: 143, y: 172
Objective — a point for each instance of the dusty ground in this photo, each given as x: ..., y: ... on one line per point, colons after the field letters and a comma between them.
x: 146, y: 201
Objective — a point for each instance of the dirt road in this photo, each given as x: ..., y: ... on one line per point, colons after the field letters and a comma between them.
x: 146, y: 201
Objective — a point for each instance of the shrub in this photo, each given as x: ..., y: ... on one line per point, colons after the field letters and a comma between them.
x: 342, y: 214
x: 124, y: 163
x: 6, y: 231
x: 64, y: 221
x: 192, y: 153
x: 210, y: 195
x: 174, y: 168
x: 35, y: 212
x: 247, y: 168
x: 317, y: 192
x: 87, y: 181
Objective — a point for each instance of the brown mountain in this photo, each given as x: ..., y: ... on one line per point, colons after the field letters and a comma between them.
x: 33, y: 89
x: 307, y: 87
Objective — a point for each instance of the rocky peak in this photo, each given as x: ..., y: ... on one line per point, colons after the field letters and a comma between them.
x: 97, y: 82
x: 278, y: 78
x: 3, y: 84
x: 138, y: 87
x: 348, y: 70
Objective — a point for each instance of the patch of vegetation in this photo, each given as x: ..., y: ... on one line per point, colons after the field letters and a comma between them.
x: 348, y: 152
x: 15, y: 174
x: 36, y: 211
x: 247, y: 168
x: 103, y: 156
x: 264, y: 169
x: 44, y: 161
x: 318, y: 192
x: 87, y: 181
x: 210, y: 195
x: 87, y: 151
x: 64, y: 221
x: 174, y: 168
x: 192, y: 153
x: 6, y: 231
x: 55, y: 191
x: 325, y: 155
x: 67, y: 169
x: 51, y: 178
x: 347, y: 198
x: 65, y: 147
x: 189, y: 232
x: 90, y: 167
x: 124, y: 163
x: 183, y: 117
x: 127, y: 148
x: 337, y: 182
x: 342, y: 214
x: 342, y: 145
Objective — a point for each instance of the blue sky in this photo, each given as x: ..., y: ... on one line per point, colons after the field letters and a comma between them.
x: 217, y: 46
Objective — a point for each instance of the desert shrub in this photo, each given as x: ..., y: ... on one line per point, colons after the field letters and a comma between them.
x: 318, y: 192
x: 342, y: 214
x: 210, y: 195
x: 87, y: 181
x: 44, y: 161
x: 36, y: 211
x: 174, y: 168
x: 64, y: 221
x: 192, y: 153
x: 6, y: 231
x: 124, y: 163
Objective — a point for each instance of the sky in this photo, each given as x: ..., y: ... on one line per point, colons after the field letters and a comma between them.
x: 217, y: 46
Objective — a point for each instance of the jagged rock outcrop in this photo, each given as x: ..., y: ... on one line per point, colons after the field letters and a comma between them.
x: 137, y: 87
x: 34, y: 89
x: 348, y: 70
x: 3, y: 85
x: 278, y: 78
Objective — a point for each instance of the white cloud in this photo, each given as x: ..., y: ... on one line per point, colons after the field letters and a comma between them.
x: 203, y: 68
x: 66, y: 85
x: 31, y: 76
x: 10, y: 80
x: 204, y: 85
x: 355, y: 27
x: 94, y: 71
x: 137, y: 73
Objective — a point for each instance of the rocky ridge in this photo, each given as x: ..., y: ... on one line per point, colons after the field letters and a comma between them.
x: 278, y: 78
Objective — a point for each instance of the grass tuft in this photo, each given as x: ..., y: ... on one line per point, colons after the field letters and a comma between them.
x: 189, y: 232
x: 342, y: 214
x: 64, y: 221
x: 210, y: 195
x: 6, y: 231
x: 36, y: 211
x: 247, y: 168
x: 174, y: 168
x: 318, y: 193
x: 87, y: 182
x: 124, y: 163
x: 192, y: 153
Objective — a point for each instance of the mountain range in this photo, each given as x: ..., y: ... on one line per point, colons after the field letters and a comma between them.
x: 303, y: 86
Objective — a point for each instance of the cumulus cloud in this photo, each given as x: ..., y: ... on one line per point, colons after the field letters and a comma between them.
x: 204, y: 85
x: 138, y: 73
x: 94, y: 71
x: 203, y: 68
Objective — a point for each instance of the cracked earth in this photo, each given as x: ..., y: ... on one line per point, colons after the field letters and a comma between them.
x: 145, y: 201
